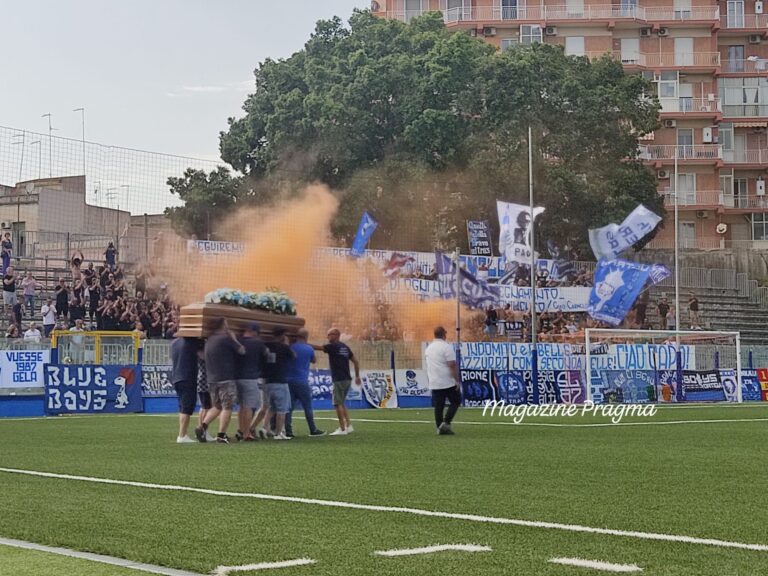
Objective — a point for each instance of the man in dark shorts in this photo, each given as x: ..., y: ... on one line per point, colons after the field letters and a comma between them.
x: 277, y: 397
x: 249, y: 372
x: 184, y: 380
x: 663, y: 309
x: 206, y: 406
x: 339, y: 357
x: 222, y: 352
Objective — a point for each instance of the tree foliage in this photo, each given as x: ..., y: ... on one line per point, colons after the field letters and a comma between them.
x: 426, y: 128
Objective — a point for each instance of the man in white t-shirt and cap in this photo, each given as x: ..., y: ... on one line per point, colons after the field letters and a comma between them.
x: 444, y: 381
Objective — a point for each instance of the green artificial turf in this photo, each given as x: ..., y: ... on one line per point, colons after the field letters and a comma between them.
x: 696, y: 479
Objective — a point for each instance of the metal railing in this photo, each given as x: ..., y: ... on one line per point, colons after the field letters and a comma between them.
x: 679, y: 60
x: 745, y: 110
x: 693, y: 198
x: 745, y: 156
x: 654, y: 13
x: 747, y: 21
x: 690, y: 105
x: 684, y: 152
x: 745, y: 66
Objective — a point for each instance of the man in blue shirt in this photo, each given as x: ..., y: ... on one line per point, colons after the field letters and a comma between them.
x: 298, y: 383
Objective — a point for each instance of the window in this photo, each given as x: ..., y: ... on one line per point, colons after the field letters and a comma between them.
x: 735, y: 58
x: 530, y: 34
x: 759, y: 226
x: 744, y: 96
x: 682, y: 9
x: 508, y: 10
x: 507, y: 43
x: 574, y: 46
x: 668, y: 84
x: 735, y: 14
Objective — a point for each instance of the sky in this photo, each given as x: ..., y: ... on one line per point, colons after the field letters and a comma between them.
x: 158, y: 75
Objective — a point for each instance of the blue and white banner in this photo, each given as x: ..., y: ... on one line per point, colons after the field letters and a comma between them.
x: 701, y: 386
x: 321, y: 384
x: 477, y: 387
x: 412, y: 383
x: 611, y: 240
x: 617, y: 285
x: 214, y: 248
x: 658, y: 273
x: 515, y: 230
x: 77, y: 389
x: 23, y: 368
x: 379, y: 388
x: 156, y: 381
x: 479, y: 236
x: 474, y: 293
x: 364, y: 232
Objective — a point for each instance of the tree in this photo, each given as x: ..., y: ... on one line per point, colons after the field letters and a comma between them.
x: 426, y: 128
x: 207, y: 198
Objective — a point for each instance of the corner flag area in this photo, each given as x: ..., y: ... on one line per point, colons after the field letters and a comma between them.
x: 676, y: 493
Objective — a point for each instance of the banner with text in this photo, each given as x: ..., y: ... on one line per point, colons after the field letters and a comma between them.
x: 23, y: 368
x: 156, y: 381
x: 76, y: 389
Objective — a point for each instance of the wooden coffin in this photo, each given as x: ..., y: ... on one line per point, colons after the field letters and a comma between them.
x: 194, y: 319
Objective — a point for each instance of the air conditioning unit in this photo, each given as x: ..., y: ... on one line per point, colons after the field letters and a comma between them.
x: 707, y: 135
x: 645, y: 32
x: 473, y: 32
x: 759, y: 7
x: 489, y: 31
x: 550, y: 31
x: 755, y: 39
x: 760, y: 187
x: 663, y: 32
x: 703, y: 214
x: 670, y: 123
x: 5, y: 225
x: 662, y: 174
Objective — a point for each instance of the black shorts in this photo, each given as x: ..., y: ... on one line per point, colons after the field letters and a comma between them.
x: 186, y: 392
x: 205, y: 400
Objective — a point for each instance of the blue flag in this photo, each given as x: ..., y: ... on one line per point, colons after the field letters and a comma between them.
x: 659, y: 273
x: 474, y: 293
x: 617, y: 285
x: 364, y: 232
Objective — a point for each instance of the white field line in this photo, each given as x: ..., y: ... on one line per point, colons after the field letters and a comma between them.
x: 552, y: 424
x: 596, y: 565
x: 100, y: 558
x: 225, y: 570
x: 404, y: 510
x: 431, y: 549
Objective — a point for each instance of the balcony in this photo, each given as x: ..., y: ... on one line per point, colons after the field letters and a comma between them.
x: 691, y: 106
x: 746, y: 22
x: 751, y: 65
x: 745, y: 202
x: 694, y: 198
x: 756, y: 157
x: 745, y: 111
x: 663, y: 152
x: 678, y: 60
x: 670, y: 14
x: 404, y: 15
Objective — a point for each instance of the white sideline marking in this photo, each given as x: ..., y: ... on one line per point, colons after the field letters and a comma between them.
x: 123, y: 563
x: 224, y: 570
x: 431, y: 549
x: 553, y: 424
x: 404, y: 510
x: 596, y: 565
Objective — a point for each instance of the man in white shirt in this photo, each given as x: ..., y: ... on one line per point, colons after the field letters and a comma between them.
x: 444, y: 381
x: 49, y: 317
x: 33, y: 334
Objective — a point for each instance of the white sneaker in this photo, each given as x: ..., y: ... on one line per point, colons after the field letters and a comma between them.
x: 338, y: 432
x: 281, y: 436
x: 185, y: 440
x: 350, y: 429
x: 209, y: 438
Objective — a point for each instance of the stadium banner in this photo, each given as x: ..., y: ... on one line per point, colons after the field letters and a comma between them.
x: 479, y: 236
x: 551, y: 387
x: 412, y: 383
x: 477, y: 387
x: 321, y: 384
x: 701, y: 386
x: 379, y: 388
x: 551, y: 356
x: 628, y: 386
x: 762, y: 376
x: 215, y: 248
x: 23, y: 368
x: 611, y: 240
x: 515, y: 227
x: 156, y: 381
x: 617, y: 285
x: 78, y: 389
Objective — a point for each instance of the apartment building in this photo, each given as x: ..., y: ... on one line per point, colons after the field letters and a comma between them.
x: 708, y: 61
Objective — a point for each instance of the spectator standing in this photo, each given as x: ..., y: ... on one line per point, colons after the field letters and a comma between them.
x: 277, y: 397
x: 184, y: 380
x: 75, y: 263
x: 32, y: 334
x: 339, y: 357
x: 94, y: 295
x: 206, y: 406
x: 249, y: 372
x: 491, y: 318
x: 18, y: 312
x: 62, y: 298
x: 221, y: 357
x: 693, y: 307
x: 110, y: 256
x: 663, y: 309
x: 672, y: 319
x: 13, y: 331
x: 29, y: 285
x: 48, y: 312
x: 444, y: 381
x: 6, y: 250
x: 298, y: 384
x: 9, y: 289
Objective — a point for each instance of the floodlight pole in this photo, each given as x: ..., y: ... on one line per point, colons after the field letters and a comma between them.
x: 457, y: 261
x: 677, y: 247
x: 534, y: 376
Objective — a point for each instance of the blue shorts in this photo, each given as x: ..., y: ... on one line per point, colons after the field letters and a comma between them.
x: 277, y: 397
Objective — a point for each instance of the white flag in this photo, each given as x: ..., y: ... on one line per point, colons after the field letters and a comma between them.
x: 515, y: 229
x: 611, y: 240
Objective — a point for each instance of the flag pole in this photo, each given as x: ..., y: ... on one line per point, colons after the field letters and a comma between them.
x: 534, y: 362
x: 457, y: 260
